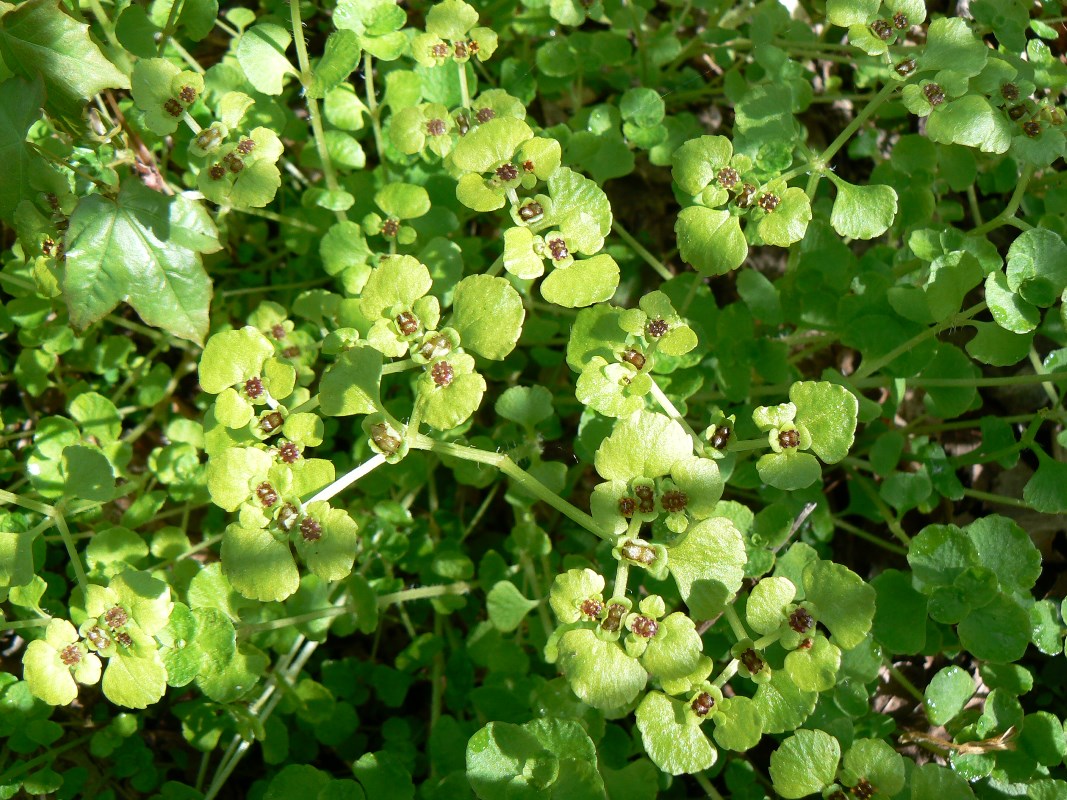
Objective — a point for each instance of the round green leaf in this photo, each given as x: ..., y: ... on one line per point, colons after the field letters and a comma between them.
x: 999, y: 631
x: 946, y: 694
x: 710, y: 240
x: 862, y: 212
x: 673, y: 740
x: 588, y: 281
x: 488, y: 314
x: 845, y: 603
x: 1037, y: 266
x: 261, y: 54
x: 789, y: 221
x: 788, y: 471
x: 232, y: 357
x: 830, y: 413
x: 600, y: 672
x: 804, y: 764
x: 710, y: 555
x: 258, y: 565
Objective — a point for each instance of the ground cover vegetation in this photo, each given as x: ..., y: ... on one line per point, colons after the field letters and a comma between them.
x: 532, y: 399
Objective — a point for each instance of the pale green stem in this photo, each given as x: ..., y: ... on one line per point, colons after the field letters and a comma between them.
x: 105, y: 22
x: 657, y: 265
x: 705, y: 784
x: 898, y: 676
x: 72, y: 552
x: 313, y: 105
x: 375, y: 112
x: 348, y: 478
x: 727, y: 672
x: 672, y: 412
x: 999, y: 499
x: 14, y: 625
x: 622, y: 577
x: 386, y: 600
x: 869, y: 367
x: 735, y: 623
x: 748, y: 444
x: 168, y: 28
x: 398, y: 366
x: 194, y: 126
x: 271, y: 215
x: 870, y: 537
x: 1009, y: 210
x: 1039, y: 369
x: 28, y: 765
x: 850, y: 129
x: 25, y: 502
x: 204, y: 545
x: 527, y: 481
x: 464, y: 92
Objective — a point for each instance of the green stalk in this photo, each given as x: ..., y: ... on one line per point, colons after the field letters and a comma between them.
x: 660, y: 268
x: 423, y: 593
x: 313, y: 105
x: 705, y: 784
x: 375, y: 112
x: 30, y: 505
x: 672, y: 412
x: 527, y: 481
x: 735, y: 623
x: 872, y: 366
x: 14, y: 625
x: 464, y: 92
x: 1009, y: 210
x: 899, y: 678
x: 72, y: 552
x: 45, y: 758
x: 857, y: 122
x: 348, y: 478
x: 168, y: 28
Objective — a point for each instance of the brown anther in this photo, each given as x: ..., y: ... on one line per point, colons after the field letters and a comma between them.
x: 752, y: 661
x: 233, y: 162
x: 439, y: 50
x: 266, y: 494
x: 271, y: 422
x: 485, y: 114
x: 627, y: 506
x: 436, y: 127
x: 613, y: 619
x: 277, y: 330
x: 507, y: 172
x: 768, y: 201
x: 291, y: 352
x: 531, y: 211
x: 463, y: 124
x: 173, y: 107
x: 863, y: 790
x: 1017, y: 112
x: 801, y: 620
x: 442, y: 373
x: 1009, y: 91
x: 528, y: 166
x: 124, y: 639
x: 70, y: 655
x: 473, y: 47
x: 643, y: 626
x: 935, y: 95
x: 384, y: 438
x: 591, y: 608
x: 289, y: 453
x: 254, y: 388
x: 246, y: 146
x: 390, y: 228
x: 638, y: 552
x: 216, y: 171
x: 53, y: 201
x: 100, y: 639
x: 407, y: 323
x: 187, y: 94
x: 634, y: 357
x: 674, y: 501
x: 728, y: 177
x: 460, y: 49
x: 558, y: 249
x: 721, y: 437
x: 702, y: 704
x: 748, y: 191
x: 310, y: 529
x: 882, y: 29
x: 646, y: 499
x: 47, y: 245
x: 1032, y: 128
x: 804, y: 645
x: 435, y: 347
x: 905, y: 68
x: 789, y: 438
x: 900, y: 21
x: 287, y: 516
x: 116, y: 617
x: 656, y: 327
